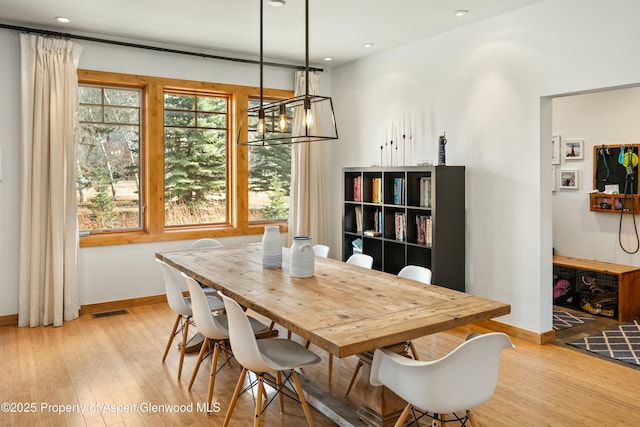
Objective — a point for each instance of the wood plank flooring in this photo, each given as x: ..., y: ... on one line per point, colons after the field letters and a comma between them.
x: 112, y: 366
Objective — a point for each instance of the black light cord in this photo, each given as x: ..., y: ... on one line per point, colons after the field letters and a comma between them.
x: 633, y: 216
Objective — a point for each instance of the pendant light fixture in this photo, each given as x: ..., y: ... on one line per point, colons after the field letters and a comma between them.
x: 313, y: 116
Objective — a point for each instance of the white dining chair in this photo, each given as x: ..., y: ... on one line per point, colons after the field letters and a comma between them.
x: 361, y: 260
x: 262, y: 356
x: 181, y: 305
x: 417, y: 273
x: 413, y: 272
x: 321, y: 250
x: 214, y: 329
x: 206, y: 243
x: 460, y: 381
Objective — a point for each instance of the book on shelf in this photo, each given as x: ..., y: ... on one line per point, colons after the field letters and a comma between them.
x: 425, y: 191
x: 376, y: 190
x: 372, y: 233
x: 358, y: 213
x: 424, y: 230
x: 377, y: 221
x: 357, y: 188
x: 398, y: 191
x: 400, y: 226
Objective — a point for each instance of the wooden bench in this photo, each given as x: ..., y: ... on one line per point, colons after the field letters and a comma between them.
x: 628, y: 278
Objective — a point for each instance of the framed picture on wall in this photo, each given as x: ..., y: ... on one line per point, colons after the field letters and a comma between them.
x: 555, y: 149
x: 573, y: 149
x: 569, y: 179
x: 553, y: 178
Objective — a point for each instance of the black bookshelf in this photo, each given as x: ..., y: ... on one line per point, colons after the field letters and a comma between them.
x: 433, y: 196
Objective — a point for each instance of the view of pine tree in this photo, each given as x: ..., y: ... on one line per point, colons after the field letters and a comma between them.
x: 195, y: 148
x: 278, y: 207
x: 102, y: 204
x: 267, y: 163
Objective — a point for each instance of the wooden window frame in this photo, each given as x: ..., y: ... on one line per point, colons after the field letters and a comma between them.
x: 152, y: 161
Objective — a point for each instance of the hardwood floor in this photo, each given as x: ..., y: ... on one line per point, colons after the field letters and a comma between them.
x: 112, y: 365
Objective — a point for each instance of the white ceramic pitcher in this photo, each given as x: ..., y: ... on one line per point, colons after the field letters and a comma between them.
x: 301, y: 257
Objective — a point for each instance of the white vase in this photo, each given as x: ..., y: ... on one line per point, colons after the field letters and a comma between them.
x: 271, y: 247
x: 301, y: 258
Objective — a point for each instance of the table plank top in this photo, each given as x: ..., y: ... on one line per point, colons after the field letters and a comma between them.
x: 343, y: 308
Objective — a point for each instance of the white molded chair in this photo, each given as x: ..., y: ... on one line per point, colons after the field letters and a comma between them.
x: 261, y: 356
x: 361, y: 260
x: 417, y: 273
x: 181, y: 305
x: 213, y: 328
x: 413, y: 272
x: 460, y: 381
x: 207, y: 242
x: 321, y: 250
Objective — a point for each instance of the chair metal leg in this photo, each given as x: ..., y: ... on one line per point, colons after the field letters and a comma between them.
x: 303, y: 402
x: 353, y: 377
x: 171, y: 337
x: 403, y: 416
x: 203, y: 349
x: 234, y: 398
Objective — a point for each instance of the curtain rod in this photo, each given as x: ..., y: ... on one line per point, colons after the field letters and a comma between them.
x: 147, y: 47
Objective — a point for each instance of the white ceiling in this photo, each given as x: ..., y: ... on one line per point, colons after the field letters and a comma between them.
x: 338, y: 28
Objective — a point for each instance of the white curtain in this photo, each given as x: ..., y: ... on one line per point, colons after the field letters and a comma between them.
x: 307, y: 201
x: 48, y: 284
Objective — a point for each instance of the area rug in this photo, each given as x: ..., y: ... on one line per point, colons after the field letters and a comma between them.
x: 563, y: 320
x: 621, y: 343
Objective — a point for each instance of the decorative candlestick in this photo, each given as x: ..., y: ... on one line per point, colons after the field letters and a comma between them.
x: 404, y: 146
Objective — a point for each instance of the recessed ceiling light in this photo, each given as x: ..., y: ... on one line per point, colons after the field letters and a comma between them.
x: 461, y: 12
x: 368, y: 45
x: 63, y: 19
x: 328, y: 58
x: 277, y: 3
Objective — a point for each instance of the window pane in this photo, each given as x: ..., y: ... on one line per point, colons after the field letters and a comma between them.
x: 109, y: 163
x: 121, y: 115
x: 195, y: 162
x: 212, y: 105
x: 90, y: 95
x: 269, y: 176
x: 179, y: 118
x: 214, y: 120
x: 91, y: 113
x: 122, y: 97
x: 179, y: 102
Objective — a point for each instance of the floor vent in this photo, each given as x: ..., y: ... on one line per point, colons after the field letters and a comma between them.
x: 109, y: 313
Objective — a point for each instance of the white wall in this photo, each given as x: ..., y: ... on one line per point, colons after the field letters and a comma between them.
x: 610, y: 118
x: 487, y: 85
x: 113, y: 272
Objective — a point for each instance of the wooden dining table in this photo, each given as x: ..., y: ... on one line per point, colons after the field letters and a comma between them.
x: 344, y: 309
